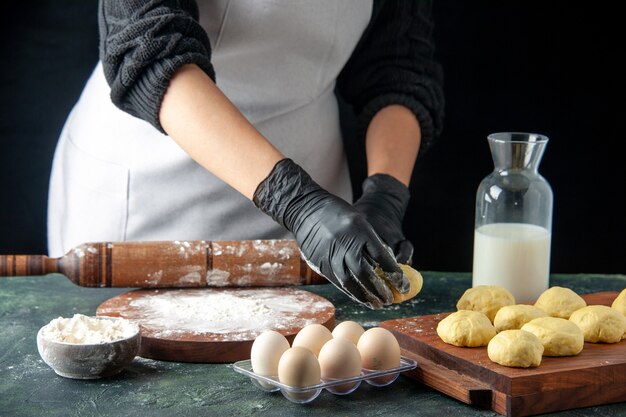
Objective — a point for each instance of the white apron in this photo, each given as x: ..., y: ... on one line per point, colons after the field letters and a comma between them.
x: 115, y: 177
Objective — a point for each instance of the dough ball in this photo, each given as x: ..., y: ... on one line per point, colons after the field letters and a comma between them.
x: 415, y: 280
x: 515, y: 348
x: 560, y: 302
x: 466, y: 328
x: 514, y: 317
x: 619, y: 303
x: 487, y: 299
x: 600, y: 324
x: 559, y: 337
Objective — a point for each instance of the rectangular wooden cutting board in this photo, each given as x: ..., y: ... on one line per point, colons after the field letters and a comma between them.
x: 596, y: 376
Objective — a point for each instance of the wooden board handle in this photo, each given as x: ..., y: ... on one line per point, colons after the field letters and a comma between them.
x: 172, y: 264
x: 461, y: 387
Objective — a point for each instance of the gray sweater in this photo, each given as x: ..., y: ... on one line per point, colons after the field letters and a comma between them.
x: 143, y: 42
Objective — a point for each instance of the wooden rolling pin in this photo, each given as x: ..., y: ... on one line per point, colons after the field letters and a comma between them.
x: 175, y: 264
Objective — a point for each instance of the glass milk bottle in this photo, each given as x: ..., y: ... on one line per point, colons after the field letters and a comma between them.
x: 513, y: 220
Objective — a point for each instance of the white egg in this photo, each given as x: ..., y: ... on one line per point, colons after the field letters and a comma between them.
x: 379, y: 351
x: 339, y: 358
x: 298, y: 367
x: 312, y: 337
x: 266, y: 351
x: 349, y: 330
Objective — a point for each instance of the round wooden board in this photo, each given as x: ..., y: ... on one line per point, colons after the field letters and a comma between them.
x: 215, y: 324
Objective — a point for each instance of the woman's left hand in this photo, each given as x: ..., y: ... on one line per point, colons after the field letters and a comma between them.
x: 384, y: 203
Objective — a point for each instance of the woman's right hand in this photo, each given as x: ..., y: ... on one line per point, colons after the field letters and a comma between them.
x: 335, y: 239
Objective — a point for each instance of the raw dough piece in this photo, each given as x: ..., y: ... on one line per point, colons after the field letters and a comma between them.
x: 514, y: 317
x: 466, y: 328
x: 516, y: 348
x: 600, y: 324
x: 487, y: 299
x: 560, y: 337
x: 560, y: 302
x: 620, y: 302
x: 415, y: 279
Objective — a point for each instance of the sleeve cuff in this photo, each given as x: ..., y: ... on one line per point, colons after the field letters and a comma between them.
x: 147, y: 95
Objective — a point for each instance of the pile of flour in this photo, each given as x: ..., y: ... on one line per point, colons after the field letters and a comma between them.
x: 85, y: 330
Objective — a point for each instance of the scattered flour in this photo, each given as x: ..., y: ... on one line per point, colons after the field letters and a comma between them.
x: 86, y: 330
x: 229, y: 314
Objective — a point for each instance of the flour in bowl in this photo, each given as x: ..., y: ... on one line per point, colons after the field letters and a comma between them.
x: 85, y: 330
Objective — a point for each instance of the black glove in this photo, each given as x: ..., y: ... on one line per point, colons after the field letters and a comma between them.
x: 383, y: 203
x: 334, y: 238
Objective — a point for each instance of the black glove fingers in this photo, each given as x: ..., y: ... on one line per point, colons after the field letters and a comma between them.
x: 381, y: 255
x: 404, y: 252
x: 351, y: 286
x: 344, y: 282
x: 384, y: 202
x: 371, y: 284
x: 385, y: 260
x: 355, y: 289
x: 344, y: 265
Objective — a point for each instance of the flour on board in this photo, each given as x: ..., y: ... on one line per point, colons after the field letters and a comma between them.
x: 234, y: 315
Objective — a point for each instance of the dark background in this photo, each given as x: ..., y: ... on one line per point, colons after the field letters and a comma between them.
x: 537, y: 66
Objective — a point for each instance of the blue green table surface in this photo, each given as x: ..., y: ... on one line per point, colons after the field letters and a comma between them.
x: 28, y: 387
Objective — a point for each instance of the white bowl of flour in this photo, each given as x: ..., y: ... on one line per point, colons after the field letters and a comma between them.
x: 84, y: 347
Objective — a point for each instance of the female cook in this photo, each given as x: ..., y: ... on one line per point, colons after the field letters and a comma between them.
x: 196, y: 109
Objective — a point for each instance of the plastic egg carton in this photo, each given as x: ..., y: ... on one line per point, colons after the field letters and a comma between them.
x: 302, y: 395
